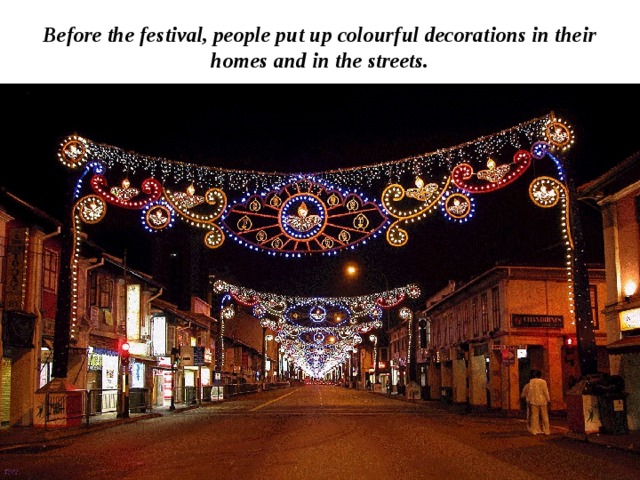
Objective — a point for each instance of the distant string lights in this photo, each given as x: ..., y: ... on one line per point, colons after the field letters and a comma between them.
x: 315, y: 333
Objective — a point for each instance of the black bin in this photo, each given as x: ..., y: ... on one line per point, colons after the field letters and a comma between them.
x: 138, y: 399
x: 612, y: 408
x: 446, y: 395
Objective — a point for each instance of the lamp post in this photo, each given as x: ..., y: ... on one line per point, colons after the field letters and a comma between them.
x: 174, y: 355
x: 374, y: 339
x: 267, y: 339
x: 264, y: 358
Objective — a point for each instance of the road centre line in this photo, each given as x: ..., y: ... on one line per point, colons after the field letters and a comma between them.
x: 271, y: 401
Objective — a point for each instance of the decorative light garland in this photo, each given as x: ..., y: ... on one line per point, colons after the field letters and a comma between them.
x: 317, y: 333
x: 296, y: 215
x: 302, y: 209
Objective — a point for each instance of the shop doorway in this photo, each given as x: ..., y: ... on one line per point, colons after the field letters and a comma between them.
x: 531, y: 358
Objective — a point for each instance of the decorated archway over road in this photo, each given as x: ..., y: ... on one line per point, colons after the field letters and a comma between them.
x: 318, y: 212
x: 323, y: 212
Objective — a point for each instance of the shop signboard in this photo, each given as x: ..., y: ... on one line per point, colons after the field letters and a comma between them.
x: 198, y: 356
x: 537, y: 321
x: 630, y: 319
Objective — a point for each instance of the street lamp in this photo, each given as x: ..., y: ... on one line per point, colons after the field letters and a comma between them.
x: 267, y: 338
x: 374, y: 339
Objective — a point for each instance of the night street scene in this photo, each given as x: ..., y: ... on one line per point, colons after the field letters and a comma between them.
x: 320, y: 281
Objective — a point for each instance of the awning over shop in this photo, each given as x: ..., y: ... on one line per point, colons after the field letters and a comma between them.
x: 630, y: 344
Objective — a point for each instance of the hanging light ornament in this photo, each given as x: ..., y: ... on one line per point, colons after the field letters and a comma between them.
x: 318, y: 212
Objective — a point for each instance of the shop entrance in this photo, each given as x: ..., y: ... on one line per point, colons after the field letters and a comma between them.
x: 532, y: 360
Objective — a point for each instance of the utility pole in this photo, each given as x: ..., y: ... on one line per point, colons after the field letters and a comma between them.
x: 585, y: 331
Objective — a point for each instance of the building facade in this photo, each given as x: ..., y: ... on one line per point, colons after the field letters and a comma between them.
x: 114, y: 305
x: 617, y: 194
x: 29, y: 266
x: 477, y: 343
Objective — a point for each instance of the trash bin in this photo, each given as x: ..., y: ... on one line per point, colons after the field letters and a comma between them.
x: 612, y: 408
x: 206, y: 393
x: 446, y: 395
x: 138, y: 399
x: 425, y: 393
x: 609, y: 399
x: 189, y: 395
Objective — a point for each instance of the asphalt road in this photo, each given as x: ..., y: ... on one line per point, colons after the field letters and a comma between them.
x: 319, y: 432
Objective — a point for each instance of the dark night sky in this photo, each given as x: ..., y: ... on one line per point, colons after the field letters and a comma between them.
x: 306, y: 128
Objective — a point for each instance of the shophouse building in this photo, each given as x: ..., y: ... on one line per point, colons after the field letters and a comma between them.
x: 29, y: 265
x: 183, y: 347
x: 617, y: 194
x: 115, y: 305
x: 251, y: 354
x: 478, y: 341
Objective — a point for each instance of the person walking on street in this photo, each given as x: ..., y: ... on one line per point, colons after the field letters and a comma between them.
x: 538, y: 398
x: 523, y: 396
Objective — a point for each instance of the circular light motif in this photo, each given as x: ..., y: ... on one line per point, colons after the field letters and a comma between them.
x: 73, y: 152
x: 327, y: 243
x: 302, y: 216
x: 458, y: 206
x: 559, y: 134
x: 228, y: 312
x: 259, y: 311
x: 546, y: 192
x: 405, y: 313
x: 91, y: 209
x: 157, y: 216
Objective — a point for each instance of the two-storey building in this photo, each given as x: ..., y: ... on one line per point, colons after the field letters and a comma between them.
x: 484, y: 336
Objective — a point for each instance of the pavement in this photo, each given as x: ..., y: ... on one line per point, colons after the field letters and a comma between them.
x: 18, y: 438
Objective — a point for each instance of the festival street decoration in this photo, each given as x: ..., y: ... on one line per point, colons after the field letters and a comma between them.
x: 325, y: 212
x: 315, y: 333
x: 296, y: 214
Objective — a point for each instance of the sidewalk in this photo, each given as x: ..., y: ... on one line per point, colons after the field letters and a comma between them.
x: 629, y: 442
x: 14, y: 438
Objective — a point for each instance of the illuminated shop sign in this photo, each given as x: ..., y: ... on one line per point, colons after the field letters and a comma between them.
x: 159, y: 336
x: 133, y: 312
x: 630, y: 319
x: 537, y: 321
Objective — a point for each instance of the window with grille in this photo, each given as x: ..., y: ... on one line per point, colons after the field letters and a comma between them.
x: 465, y: 321
x: 495, y: 308
x: 474, y: 316
x: 50, y: 266
x: 484, y: 312
x: 105, y: 292
x: 593, y: 297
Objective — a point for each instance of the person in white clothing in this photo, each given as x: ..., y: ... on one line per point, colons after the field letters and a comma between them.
x: 538, y: 399
x: 523, y: 395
